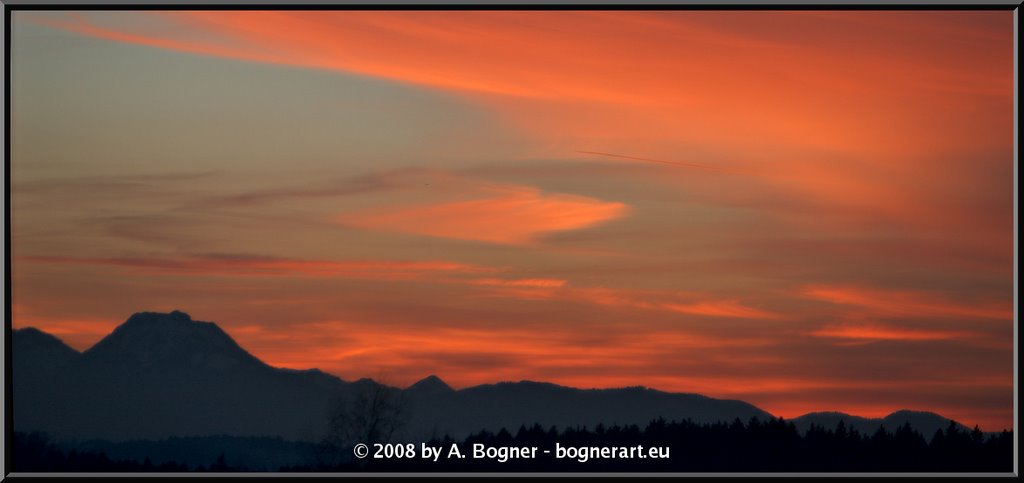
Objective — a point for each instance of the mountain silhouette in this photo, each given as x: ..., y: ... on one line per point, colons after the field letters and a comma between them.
x: 38, y: 361
x: 512, y: 404
x: 926, y: 423
x: 41, y: 352
x: 428, y: 386
x: 150, y: 341
x: 164, y: 375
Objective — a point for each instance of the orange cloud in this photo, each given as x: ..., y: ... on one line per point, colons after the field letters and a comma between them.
x: 574, y: 61
x: 466, y: 356
x: 905, y: 303
x: 880, y: 332
x: 658, y: 86
x: 693, y: 304
x: 498, y: 353
x: 512, y: 215
x: 726, y: 308
x: 440, y: 272
x: 521, y: 282
x: 522, y: 289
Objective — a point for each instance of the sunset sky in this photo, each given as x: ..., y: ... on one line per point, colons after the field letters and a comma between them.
x: 807, y: 211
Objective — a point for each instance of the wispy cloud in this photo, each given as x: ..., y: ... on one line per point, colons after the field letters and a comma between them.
x: 681, y: 164
x: 330, y: 188
x: 883, y: 332
x: 700, y: 304
x: 521, y: 282
x: 906, y: 302
x: 725, y: 308
x: 511, y: 215
x: 246, y: 265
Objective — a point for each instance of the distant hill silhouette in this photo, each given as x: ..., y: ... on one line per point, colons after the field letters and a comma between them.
x: 429, y: 386
x: 161, y: 375
x: 41, y: 350
x: 926, y: 423
x: 509, y: 405
x: 39, y: 363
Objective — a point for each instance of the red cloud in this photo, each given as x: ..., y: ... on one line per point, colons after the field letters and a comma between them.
x: 904, y: 302
x: 719, y: 308
x: 881, y: 332
x: 521, y: 282
x: 694, y: 304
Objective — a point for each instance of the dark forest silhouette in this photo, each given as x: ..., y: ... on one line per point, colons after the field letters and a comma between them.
x: 774, y: 445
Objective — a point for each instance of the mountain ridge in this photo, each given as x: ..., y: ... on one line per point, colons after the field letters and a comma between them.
x: 925, y: 422
x: 161, y: 375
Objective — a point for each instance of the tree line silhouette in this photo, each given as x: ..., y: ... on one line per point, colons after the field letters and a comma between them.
x: 773, y: 445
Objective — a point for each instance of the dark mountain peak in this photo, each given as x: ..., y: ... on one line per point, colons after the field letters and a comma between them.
x: 34, y: 350
x: 309, y: 372
x: 152, y: 338
x: 175, y: 316
x: 30, y: 332
x: 430, y: 385
x: 828, y: 414
x: 829, y: 419
x: 637, y: 389
x: 925, y: 422
x: 33, y: 339
x: 910, y: 412
x: 144, y: 326
x: 366, y: 383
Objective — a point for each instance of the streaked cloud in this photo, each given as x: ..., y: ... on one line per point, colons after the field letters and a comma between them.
x: 521, y: 282
x: 906, y: 302
x: 508, y: 215
x: 249, y: 266
x: 700, y: 304
x: 727, y: 308
x: 882, y: 332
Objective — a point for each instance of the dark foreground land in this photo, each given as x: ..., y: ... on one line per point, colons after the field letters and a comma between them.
x: 763, y: 446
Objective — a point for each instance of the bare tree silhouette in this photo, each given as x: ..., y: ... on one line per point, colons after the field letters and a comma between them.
x: 370, y: 413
